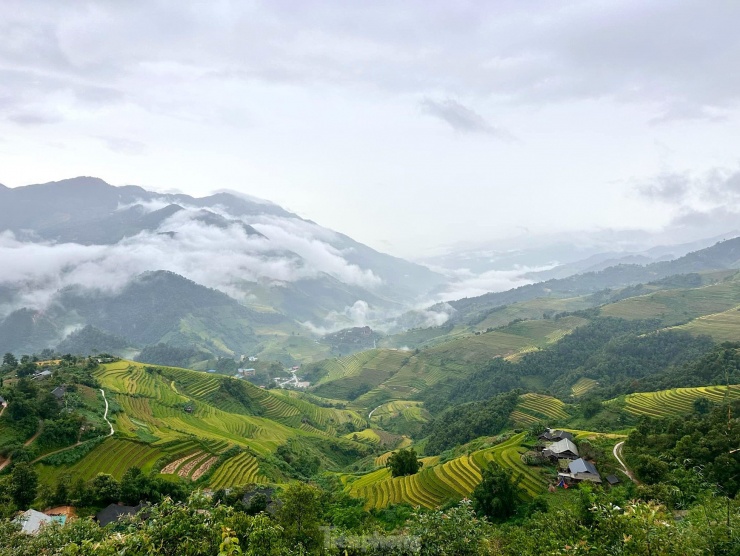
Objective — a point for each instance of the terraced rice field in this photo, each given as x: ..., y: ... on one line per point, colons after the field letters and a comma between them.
x: 722, y: 327
x: 115, y: 456
x: 583, y: 386
x: 542, y: 332
x: 407, y: 410
x: 437, y: 483
x: 535, y: 408
x: 674, y: 306
x: 678, y: 401
x: 241, y: 469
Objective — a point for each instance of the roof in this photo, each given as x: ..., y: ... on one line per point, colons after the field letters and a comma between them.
x: 550, y: 434
x: 33, y: 521
x: 59, y: 391
x: 612, y: 479
x: 113, y: 511
x: 580, y: 465
x: 562, y: 446
x: 2, y: 400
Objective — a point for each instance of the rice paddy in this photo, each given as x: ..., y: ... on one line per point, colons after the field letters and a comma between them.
x: 678, y: 401
x: 438, y: 483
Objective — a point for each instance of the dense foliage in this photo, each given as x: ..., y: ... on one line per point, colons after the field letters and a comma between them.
x: 463, y: 423
x: 686, y: 453
x: 618, y: 353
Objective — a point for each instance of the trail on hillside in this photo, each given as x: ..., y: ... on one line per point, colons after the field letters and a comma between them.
x: 78, y: 443
x: 618, y: 454
x: 27, y: 443
x: 105, y: 415
x: 36, y: 435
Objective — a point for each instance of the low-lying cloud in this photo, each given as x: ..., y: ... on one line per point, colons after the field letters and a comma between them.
x: 225, y: 258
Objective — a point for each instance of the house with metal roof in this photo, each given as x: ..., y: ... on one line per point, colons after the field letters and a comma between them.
x: 32, y: 521
x: 555, y: 435
x: 113, y: 512
x: 581, y: 470
x: 563, y: 449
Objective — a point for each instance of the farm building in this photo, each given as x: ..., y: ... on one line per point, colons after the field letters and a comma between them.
x: 612, y: 479
x: 580, y: 470
x: 555, y: 435
x: 563, y: 449
x: 32, y: 521
x: 112, y: 512
x: 59, y: 392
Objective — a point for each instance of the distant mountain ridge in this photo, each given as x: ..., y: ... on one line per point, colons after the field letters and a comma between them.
x: 722, y: 255
x: 274, y: 265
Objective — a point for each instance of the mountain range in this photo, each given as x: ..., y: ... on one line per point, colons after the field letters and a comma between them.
x: 227, y: 273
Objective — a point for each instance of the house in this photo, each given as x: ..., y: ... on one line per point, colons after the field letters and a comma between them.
x: 581, y: 470
x: 246, y: 372
x: 32, y: 521
x: 59, y: 392
x: 42, y: 375
x: 211, y: 371
x: 2, y: 401
x: 555, y: 435
x: 252, y: 359
x: 612, y: 479
x: 563, y: 449
x: 113, y: 512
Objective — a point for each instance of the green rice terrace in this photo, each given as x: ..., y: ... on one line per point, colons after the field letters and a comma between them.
x: 678, y: 401
x: 438, y: 483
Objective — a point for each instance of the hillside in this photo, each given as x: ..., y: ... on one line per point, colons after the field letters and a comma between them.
x: 229, y: 430
x: 721, y: 256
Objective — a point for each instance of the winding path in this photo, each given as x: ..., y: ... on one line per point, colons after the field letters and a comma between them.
x: 618, y: 454
x: 78, y: 443
x: 369, y: 415
x: 105, y: 415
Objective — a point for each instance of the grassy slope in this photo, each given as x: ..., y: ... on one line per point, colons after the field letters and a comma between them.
x: 678, y: 306
x: 153, y: 425
x: 398, y: 375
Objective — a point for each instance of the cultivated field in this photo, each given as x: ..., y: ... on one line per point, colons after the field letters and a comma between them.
x: 438, y: 483
x: 538, y: 408
x: 583, y: 386
x: 678, y: 401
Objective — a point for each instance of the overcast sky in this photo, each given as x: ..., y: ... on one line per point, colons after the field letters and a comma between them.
x: 407, y: 125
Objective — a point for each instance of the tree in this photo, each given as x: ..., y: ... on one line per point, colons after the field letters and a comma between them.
x: 299, y: 515
x: 23, y: 484
x: 135, y: 486
x: 9, y: 361
x: 496, y: 495
x: 106, y: 489
x: 403, y: 462
x: 702, y: 405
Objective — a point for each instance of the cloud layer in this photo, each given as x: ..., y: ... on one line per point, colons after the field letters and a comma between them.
x: 222, y: 258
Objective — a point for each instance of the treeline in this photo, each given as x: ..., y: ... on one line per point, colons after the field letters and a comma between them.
x: 464, y: 423
x: 306, y: 519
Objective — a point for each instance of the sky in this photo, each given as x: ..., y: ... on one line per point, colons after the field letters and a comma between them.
x: 410, y: 126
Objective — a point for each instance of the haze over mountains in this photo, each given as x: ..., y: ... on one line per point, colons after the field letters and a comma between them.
x: 230, y: 274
